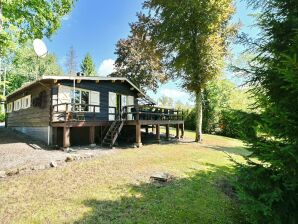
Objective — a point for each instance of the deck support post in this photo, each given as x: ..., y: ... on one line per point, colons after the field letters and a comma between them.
x: 66, y: 136
x: 147, y: 130
x: 92, y: 136
x: 167, y: 132
x: 182, y: 130
x: 138, y: 135
x: 158, y: 133
x: 177, y: 131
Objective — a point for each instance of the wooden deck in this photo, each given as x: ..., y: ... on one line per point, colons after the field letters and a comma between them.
x: 140, y: 116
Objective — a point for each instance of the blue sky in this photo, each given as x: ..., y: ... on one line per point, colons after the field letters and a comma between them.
x: 95, y: 26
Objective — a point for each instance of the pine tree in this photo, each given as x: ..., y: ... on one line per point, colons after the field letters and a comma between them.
x: 87, y: 65
x: 268, y: 183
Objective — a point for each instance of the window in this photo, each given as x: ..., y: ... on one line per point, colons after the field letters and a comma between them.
x: 17, y: 105
x: 85, y: 100
x: 9, y: 107
x: 80, y: 97
x: 112, y: 105
x: 64, y: 97
x: 94, y: 100
x: 26, y: 102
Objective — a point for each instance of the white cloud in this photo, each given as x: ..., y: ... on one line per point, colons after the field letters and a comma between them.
x: 174, y: 93
x: 106, y: 67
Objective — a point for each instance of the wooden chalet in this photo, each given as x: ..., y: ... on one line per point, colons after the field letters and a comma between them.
x: 78, y: 110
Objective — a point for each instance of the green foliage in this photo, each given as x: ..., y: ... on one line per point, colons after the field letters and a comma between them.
x: 217, y: 97
x: 26, y: 20
x: 138, y: 58
x: 87, y: 66
x: 2, y: 117
x: 189, y: 119
x: 268, y: 189
x: 194, y: 35
x: 25, y: 66
x: 223, y: 103
x: 2, y: 108
x: 237, y: 124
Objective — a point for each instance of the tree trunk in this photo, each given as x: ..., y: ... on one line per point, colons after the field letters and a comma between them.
x: 199, y: 115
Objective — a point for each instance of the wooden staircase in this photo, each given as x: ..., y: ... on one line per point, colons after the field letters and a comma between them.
x: 113, y: 132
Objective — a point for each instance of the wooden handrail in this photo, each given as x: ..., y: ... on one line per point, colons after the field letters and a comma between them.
x: 73, y: 105
x: 141, y: 112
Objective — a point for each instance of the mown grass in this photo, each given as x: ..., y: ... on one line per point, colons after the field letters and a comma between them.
x: 115, y: 187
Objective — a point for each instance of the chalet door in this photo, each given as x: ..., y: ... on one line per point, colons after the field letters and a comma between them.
x: 118, y: 103
x: 112, y: 105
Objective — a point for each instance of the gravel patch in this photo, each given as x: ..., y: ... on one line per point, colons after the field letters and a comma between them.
x: 19, y: 152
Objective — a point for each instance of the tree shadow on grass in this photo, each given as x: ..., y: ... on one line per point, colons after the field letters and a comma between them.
x: 196, y: 199
x: 241, y: 151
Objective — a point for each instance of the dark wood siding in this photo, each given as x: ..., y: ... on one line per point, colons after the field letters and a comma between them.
x: 40, y: 117
x: 104, y: 87
x: 33, y: 116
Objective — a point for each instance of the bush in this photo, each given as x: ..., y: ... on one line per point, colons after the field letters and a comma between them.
x: 2, y: 117
x: 190, y: 119
x: 232, y: 123
x: 238, y: 124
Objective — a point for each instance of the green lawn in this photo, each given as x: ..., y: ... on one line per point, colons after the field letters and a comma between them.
x: 115, y: 187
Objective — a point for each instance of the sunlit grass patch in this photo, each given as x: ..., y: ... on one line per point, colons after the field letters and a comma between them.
x: 115, y: 188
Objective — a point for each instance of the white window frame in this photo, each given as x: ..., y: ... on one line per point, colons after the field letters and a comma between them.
x: 64, y: 96
x: 112, y: 103
x: 129, y: 103
x: 97, y: 109
x: 72, y: 97
x: 17, y: 104
x: 26, y: 102
x: 9, y: 107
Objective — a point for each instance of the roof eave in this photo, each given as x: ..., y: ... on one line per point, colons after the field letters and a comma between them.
x: 103, y: 78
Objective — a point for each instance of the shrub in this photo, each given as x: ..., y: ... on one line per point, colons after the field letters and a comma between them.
x: 2, y: 117
x: 238, y: 124
x: 190, y: 119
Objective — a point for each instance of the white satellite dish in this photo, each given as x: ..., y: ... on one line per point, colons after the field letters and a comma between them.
x: 40, y: 48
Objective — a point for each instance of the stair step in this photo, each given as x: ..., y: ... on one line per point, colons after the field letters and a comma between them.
x: 113, y: 133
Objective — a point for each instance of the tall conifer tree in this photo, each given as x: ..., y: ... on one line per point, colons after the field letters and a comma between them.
x: 87, y: 65
x: 268, y: 188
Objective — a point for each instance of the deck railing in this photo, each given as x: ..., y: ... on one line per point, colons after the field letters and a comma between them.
x: 146, y: 112
x: 82, y: 112
x: 74, y: 112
